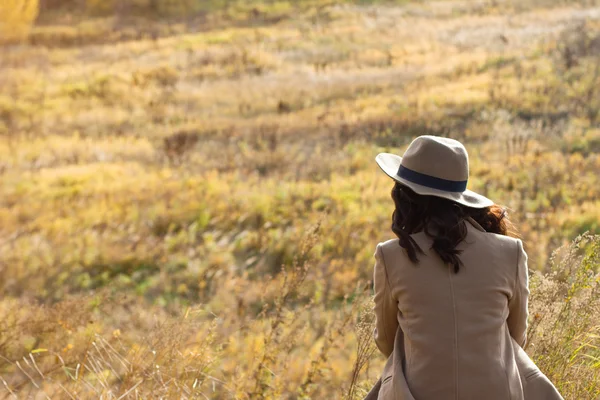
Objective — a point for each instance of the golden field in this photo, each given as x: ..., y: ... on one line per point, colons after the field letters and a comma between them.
x: 189, y: 202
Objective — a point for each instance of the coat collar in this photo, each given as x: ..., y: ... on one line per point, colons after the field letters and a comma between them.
x: 475, y: 224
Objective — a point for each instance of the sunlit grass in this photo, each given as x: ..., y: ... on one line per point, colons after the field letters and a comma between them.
x: 159, y: 196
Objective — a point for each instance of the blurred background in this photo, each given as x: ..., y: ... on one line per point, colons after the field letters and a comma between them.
x: 189, y: 202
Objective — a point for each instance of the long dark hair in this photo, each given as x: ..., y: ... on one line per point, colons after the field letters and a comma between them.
x: 443, y: 221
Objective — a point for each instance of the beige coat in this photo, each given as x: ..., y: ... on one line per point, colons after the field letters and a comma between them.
x: 455, y: 336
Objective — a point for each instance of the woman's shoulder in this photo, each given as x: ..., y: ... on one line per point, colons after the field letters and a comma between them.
x: 504, y: 247
x: 392, y: 247
x: 474, y: 231
x: 388, y: 247
x: 499, y: 240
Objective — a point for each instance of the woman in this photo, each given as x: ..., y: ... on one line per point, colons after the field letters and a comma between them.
x: 451, y: 292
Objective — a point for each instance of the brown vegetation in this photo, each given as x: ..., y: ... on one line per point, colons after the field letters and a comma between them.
x: 189, y: 206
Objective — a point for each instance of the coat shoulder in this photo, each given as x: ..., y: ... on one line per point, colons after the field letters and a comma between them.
x: 391, y: 252
x: 391, y: 248
x: 388, y: 247
x: 502, y: 241
x: 388, y: 244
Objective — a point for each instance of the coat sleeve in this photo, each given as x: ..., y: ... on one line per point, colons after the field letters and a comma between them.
x: 517, y: 304
x: 386, y: 307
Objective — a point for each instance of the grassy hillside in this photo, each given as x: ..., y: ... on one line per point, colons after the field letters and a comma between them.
x: 189, y: 207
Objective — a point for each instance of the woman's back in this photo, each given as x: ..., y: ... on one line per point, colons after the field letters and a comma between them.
x: 451, y: 292
x: 457, y: 329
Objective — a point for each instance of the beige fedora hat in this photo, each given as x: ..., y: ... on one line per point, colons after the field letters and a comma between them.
x: 434, y: 166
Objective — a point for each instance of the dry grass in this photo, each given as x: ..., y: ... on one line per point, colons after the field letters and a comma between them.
x: 152, y: 188
x: 565, y: 310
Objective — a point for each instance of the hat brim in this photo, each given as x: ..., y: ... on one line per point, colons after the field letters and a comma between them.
x: 390, y: 163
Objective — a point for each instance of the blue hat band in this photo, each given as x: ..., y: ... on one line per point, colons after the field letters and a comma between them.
x: 432, y: 182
